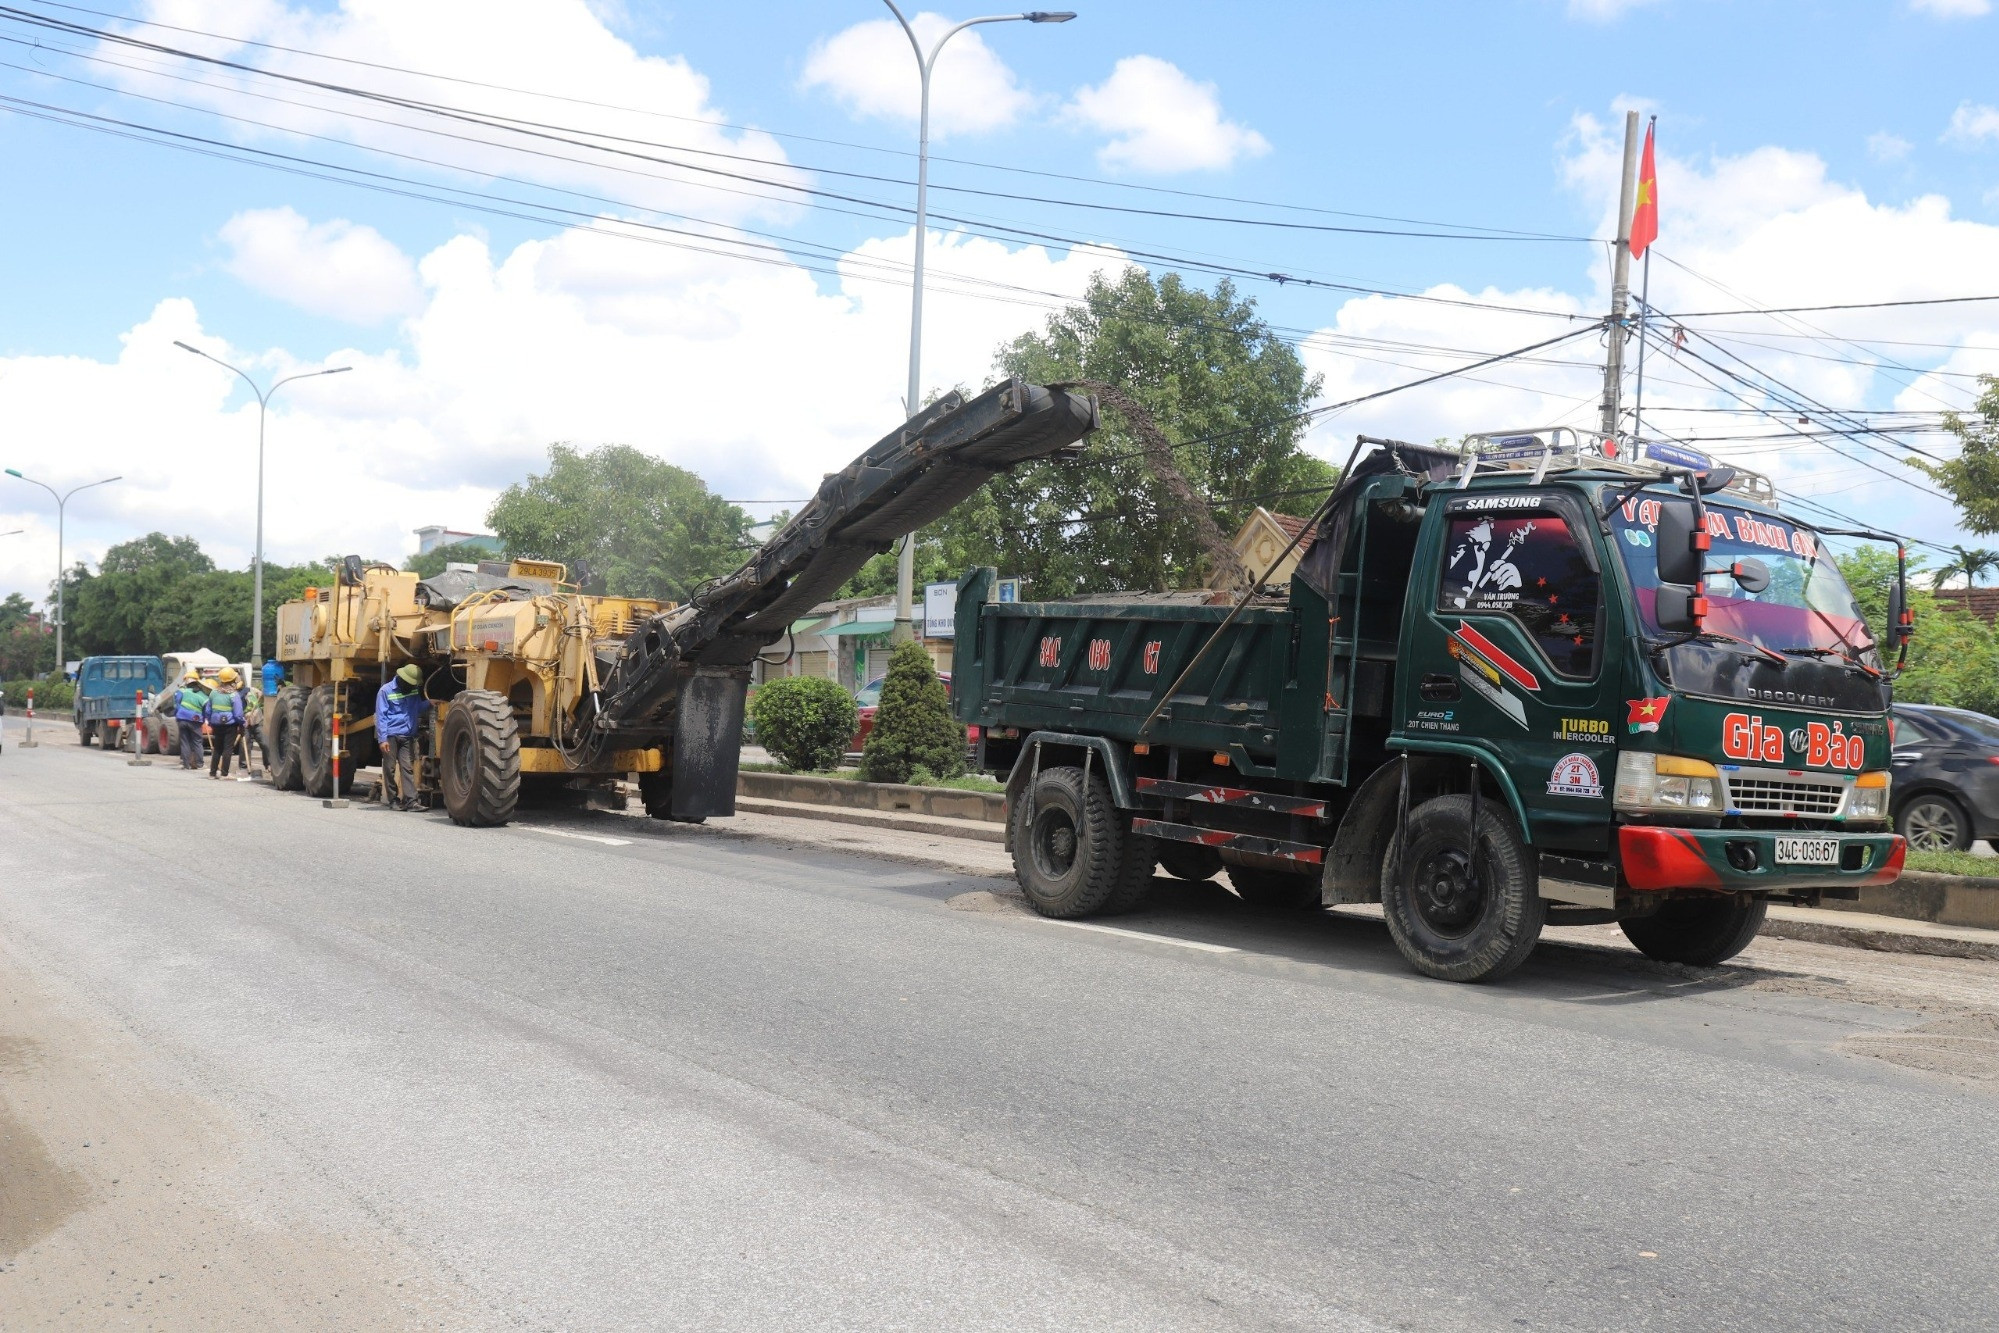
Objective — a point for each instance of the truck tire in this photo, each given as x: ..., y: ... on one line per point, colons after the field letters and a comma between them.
x: 315, y: 744
x: 287, y: 727
x: 1446, y: 927
x: 86, y: 732
x: 1068, y: 844
x: 1699, y: 932
x: 1141, y: 859
x: 480, y: 767
x: 1189, y: 860
x: 1260, y: 886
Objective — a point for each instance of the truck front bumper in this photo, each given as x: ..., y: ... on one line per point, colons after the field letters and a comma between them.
x: 1745, y: 860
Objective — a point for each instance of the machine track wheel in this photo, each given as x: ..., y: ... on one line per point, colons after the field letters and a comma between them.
x: 1260, y: 886
x: 1069, y: 844
x: 1700, y: 932
x: 286, y: 724
x: 1452, y: 924
x: 315, y: 743
x: 1189, y: 860
x: 480, y: 768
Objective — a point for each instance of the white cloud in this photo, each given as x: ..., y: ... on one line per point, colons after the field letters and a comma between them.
x: 754, y: 376
x: 337, y: 268
x: 559, y: 48
x: 871, y: 69
x: 1604, y: 11
x: 1162, y: 121
x: 1952, y: 9
x: 1972, y: 123
x: 1885, y: 147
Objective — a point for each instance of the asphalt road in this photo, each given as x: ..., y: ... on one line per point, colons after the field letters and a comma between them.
x: 595, y: 1072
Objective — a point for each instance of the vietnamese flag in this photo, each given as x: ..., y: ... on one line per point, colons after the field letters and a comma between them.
x: 1645, y: 215
x: 1646, y: 713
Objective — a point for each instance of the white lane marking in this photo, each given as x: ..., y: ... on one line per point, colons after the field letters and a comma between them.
x: 581, y: 837
x: 1203, y: 946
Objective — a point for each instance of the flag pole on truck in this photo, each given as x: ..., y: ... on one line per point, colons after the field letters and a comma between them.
x: 1620, y: 279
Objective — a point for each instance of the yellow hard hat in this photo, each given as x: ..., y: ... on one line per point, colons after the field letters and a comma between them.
x: 193, y: 676
x: 226, y: 676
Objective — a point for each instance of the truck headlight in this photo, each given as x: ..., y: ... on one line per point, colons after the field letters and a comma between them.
x: 1649, y: 783
x: 1869, y: 799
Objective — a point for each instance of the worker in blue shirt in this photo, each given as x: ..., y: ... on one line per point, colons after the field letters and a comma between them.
x: 190, y: 706
x: 223, y: 716
x: 399, y: 710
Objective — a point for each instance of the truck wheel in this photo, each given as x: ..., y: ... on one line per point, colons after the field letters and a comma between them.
x: 287, y: 724
x: 480, y: 767
x: 1699, y: 932
x: 1189, y: 860
x: 86, y: 732
x: 1933, y: 822
x: 1068, y: 846
x: 154, y: 733
x: 1260, y: 886
x: 315, y: 743
x: 1446, y: 923
x: 1141, y: 858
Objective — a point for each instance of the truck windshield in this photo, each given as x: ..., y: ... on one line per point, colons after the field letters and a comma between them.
x: 1806, y: 609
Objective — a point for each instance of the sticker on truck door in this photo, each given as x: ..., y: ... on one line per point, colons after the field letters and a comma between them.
x: 1489, y: 678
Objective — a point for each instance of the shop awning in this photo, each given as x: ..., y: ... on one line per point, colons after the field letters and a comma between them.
x: 859, y: 628
x: 809, y: 625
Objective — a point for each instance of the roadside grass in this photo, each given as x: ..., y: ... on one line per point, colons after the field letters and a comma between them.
x: 967, y: 782
x: 1954, y: 863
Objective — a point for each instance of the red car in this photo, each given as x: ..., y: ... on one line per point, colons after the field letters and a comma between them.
x: 870, y: 698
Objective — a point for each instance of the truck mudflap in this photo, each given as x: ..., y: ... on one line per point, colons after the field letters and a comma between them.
x: 1746, y: 860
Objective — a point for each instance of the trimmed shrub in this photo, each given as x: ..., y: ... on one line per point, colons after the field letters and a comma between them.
x: 804, y: 721
x: 51, y: 696
x: 914, y: 729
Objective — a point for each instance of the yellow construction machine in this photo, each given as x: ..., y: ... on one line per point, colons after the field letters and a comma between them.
x: 539, y: 686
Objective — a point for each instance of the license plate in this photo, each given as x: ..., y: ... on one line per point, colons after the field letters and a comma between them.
x: 1808, y: 851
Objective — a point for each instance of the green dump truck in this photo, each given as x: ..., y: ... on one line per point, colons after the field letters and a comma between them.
x: 1527, y: 683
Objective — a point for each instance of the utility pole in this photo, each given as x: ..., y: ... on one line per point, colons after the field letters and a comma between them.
x: 1620, y: 279
x: 62, y: 508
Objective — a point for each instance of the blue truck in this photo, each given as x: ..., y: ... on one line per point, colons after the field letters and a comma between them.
x: 107, y: 690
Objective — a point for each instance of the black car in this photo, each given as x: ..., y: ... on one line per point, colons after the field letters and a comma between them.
x: 1946, y: 766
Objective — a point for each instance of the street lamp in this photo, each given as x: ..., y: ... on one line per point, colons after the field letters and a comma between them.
x: 905, y: 565
x: 62, y: 504
x: 257, y: 559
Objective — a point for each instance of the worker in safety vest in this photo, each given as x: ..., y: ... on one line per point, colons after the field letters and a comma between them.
x: 223, y: 718
x: 399, y: 710
x: 190, y: 707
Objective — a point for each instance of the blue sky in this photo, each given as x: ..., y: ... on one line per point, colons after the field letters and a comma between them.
x: 1811, y: 153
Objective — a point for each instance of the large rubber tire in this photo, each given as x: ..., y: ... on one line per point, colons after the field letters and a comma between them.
x: 1933, y: 822
x: 1700, y: 932
x: 315, y: 746
x: 1068, y: 844
x: 86, y: 732
x: 1260, y: 886
x: 1141, y: 859
x: 656, y: 794
x: 1189, y: 860
x: 1441, y: 924
x: 480, y: 767
x: 287, y: 723
x: 154, y: 732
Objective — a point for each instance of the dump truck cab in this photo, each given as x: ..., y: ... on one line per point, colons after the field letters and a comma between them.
x: 1472, y: 640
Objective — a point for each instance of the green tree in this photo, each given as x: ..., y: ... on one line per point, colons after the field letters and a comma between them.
x: 26, y: 647
x: 1972, y: 478
x: 914, y: 727
x: 1954, y: 658
x: 1215, y: 379
x: 624, y: 523
x: 431, y: 563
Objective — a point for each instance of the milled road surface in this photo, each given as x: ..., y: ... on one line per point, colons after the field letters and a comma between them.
x: 365, y: 1070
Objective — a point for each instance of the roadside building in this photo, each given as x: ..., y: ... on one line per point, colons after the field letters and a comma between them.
x: 1257, y: 542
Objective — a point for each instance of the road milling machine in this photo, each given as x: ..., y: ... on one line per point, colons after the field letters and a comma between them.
x: 539, y: 687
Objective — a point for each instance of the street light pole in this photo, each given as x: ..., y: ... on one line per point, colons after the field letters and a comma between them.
x: 905, y: 565
x: 62, y: 505
x: 257, y: 558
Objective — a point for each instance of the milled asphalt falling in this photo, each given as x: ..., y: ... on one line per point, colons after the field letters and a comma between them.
x: 704, y: 1081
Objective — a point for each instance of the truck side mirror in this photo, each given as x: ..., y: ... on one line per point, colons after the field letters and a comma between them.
x: 1678, y: 609
x: 1750, y: 574
x: 1683, y: 543
x: 1901, y: 621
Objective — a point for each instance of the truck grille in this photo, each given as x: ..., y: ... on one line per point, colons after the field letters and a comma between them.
x: 1770, y: 796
